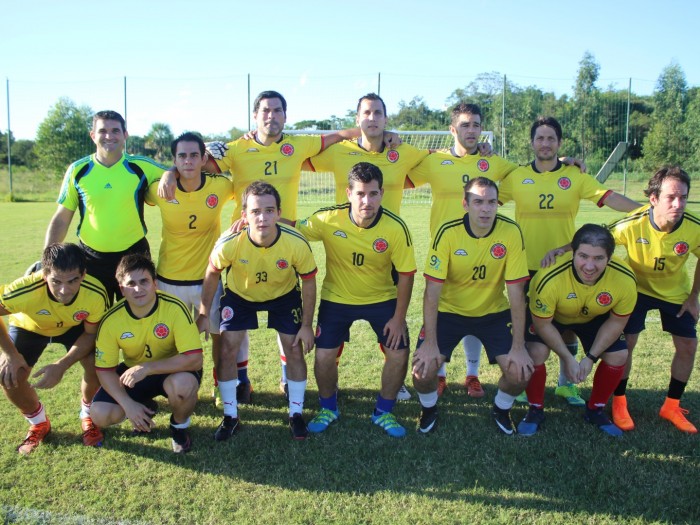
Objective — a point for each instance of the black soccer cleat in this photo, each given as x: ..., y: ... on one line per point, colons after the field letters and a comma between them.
x: 228, y: 427
x: 503, y: 420
x: 428, y: 420
x: 297, y: 426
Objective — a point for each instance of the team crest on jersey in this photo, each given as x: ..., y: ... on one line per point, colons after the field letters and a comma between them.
x: 572, y: 295
x: 498, y: 251
x: 282, y: 264
x: 421, y: 334
x: 531, y: 329
x: 227, y: 313
x: 392, y: 155
x: 287, y: 149
x: 318, y: 330
x: 483, y: 165
x: 380, y: 245
x: 43, y: 312
x: 161, y: 331
x: 528, y: 181
x: 126, y: 335
x: 604, y: 299
x: 461, y: 252
x: 80, y: 315
x: 680, y: 248
x: 447, y: 163
x: 564, y: 183
x: 212, y: 201
x: 340, y: 233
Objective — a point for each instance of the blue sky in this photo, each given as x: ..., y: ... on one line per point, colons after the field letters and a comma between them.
x: 187, y: 63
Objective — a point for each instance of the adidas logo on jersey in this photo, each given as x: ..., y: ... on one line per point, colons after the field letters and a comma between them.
x: 642, y: 240
x: 528, y: 181
x: 461, y: 252
x: 243, y: 261
x: 126, y: 335
x: 447, y: 163
x: 43, y: 312
x: 572, y: 295
x: 108, y: 186
x: 339, y: 233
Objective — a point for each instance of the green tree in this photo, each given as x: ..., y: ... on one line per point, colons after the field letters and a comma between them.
x: 136, y: 145
x: 23, y: 153
x: 416, y: 115
x: 666, y: 142
x: 585, y: 107
x: 158, y: 139
x: 63, y: 136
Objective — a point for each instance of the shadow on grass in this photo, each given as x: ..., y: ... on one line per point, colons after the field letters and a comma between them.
x: 570, y: 466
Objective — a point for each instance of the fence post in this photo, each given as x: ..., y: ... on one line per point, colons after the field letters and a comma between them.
x: 627, y: 138
x: 9, y: 136
x: 503, y: 120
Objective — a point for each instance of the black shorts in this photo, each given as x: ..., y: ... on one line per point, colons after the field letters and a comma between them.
x: 493, y: 330
x: 31, y: 345
x: 683, y: 326
x: 335, y: 320
x: 586, y: 332
x: 283, y: 313
x: 103, y: 265
x: 145, y: 390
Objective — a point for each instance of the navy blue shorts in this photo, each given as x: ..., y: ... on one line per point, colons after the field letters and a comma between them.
x: 683, y: 326
x: 31, y: 345
x: 145, y: 390
x: 493, y: 330
x: 335, y: 320
x: 586, y: 332
x: 283, y: 313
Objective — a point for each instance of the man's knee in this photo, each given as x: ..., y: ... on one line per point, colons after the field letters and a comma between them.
x: 106, y: 414
x: 181, y: 386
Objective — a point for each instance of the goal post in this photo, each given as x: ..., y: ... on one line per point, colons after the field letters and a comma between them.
x: 318, y: 188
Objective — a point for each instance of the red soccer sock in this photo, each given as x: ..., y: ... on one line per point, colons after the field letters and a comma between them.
x: 535, y: 388
x: 605, y: 381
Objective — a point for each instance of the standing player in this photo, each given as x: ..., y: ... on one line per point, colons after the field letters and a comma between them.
x: 591, y: 293
x: 469, y: 262
x: 58, y: 304
x: 191, y: 225
x: 268, y: 257
x: 161, y: 351
x: 547, y: 196
x: 108, y: 188
x: 658, y: 238
x: 363, y: 242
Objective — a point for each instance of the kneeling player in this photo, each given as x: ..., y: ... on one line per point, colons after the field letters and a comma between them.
x: 268, y: 256
x: 162, y: 355
x: 487, y: 248
x: 592, y: 293
x: 58, y: 304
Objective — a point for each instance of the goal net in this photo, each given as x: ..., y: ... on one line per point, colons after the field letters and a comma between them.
x: 318, y: 188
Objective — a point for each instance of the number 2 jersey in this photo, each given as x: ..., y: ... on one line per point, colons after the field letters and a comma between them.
x: 658, y: 258
x: 546, y: 205
x: 359, y: 260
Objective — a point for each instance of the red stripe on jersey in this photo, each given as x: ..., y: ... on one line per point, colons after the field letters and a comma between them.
x: 211, y: 265
x: 520, y: 280
x: 412, y: 272
x: 621, y: 315
x: 434, y: 279
x: 601, y: 202
x: 100, y: 369
x: 188, y: 352
x: 309, y: 275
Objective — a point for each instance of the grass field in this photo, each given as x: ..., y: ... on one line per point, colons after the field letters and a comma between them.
x: 464, y: 473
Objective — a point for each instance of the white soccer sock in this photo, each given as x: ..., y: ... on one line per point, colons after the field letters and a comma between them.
x: 472, y: 352
x: 504, y: 401
x: 443, y: 370
x: 36, y: 417
x: 428, y: 400
x: 84, y: 409
x: 186, y: 424
x: 227, y: 389
x: 296, y: 396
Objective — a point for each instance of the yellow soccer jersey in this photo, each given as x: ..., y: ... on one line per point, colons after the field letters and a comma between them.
x: 546, y: 205
x: 658, y: 258
x: 110, y: 200
x: 34, y: 309
x: 258, y: 273
x: 557, y: 292
x: 191, y: 226
x: 279, y: 164
x: 168, y: 330
x: 359, y: 260
x: 395, y: 165
x: 475, y: 270
x: 447, y: 174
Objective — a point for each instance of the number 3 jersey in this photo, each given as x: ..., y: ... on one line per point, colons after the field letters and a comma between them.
x: 475, y: 270
x: 191, y: 226
x: 260, y: 273
x: 658, y: 258
x: 168, y: 330
x: 546, y: 205
x: 359, y: 260
x: 557, y: 292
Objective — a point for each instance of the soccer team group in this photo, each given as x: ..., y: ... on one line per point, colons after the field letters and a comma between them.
x: 521, y: 288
